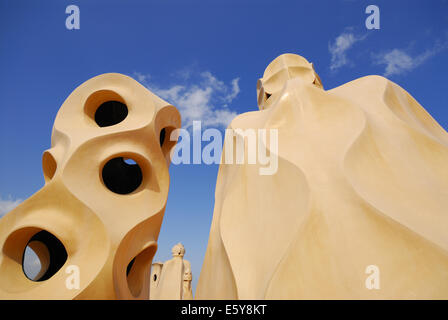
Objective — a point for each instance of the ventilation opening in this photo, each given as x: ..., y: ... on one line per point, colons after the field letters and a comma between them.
x: 268, y: 95
x: 49, y: 165
x: 168, y: 139
x: 138, y: 270
x: 155, y: 277
x: 44, y: 255
x: 122, y: 175
x: 129, y: 267
x: 110, y: 113
x: 162, y: 136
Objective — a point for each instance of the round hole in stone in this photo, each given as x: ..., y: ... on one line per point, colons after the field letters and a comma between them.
x: 122, y: 175
x: 110, y: 113
x: 43, y: 256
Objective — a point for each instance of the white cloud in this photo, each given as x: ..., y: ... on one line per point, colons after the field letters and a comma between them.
x: 398, y: 61
x: 8, y: 204
x: 140, y: 77
x: 200, y: 96
x: 338, y: 49
x: 235, y: 90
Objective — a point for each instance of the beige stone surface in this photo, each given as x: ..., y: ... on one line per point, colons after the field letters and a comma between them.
x: 187, y: 291
x: 362, y: 180
x: 107, y: 225
x: 156, y: 272
x: 174, y: 277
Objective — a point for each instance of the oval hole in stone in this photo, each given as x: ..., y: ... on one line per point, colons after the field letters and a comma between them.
x: 43, y: 256
x: 138, y: 270
x: 49, y: 165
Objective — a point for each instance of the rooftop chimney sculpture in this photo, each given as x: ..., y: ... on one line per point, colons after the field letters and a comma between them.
x: 98, y: 217
x: 361, y: 185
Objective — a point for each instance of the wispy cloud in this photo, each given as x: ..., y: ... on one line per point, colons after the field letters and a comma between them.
x: 198, y: 96
x: 142, y: 78
x: 8, y: 204
x: 339, y: 47
x: 398, y: 61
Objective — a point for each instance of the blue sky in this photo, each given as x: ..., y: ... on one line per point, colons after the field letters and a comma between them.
x: 204, y: 57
